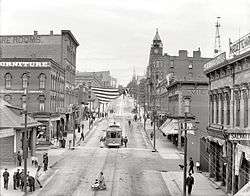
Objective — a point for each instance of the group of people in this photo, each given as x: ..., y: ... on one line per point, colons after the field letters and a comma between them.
x: 19, y: 179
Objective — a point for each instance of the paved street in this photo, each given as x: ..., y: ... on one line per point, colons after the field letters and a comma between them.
x: 134, y: 170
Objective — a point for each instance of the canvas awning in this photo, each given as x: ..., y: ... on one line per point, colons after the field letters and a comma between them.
x: 244, y: 191
x: 170, y: 127
x: 216, y: 140
x: 6, y: 132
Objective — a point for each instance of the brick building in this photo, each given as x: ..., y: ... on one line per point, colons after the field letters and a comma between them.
x: 229, y: 119
x: 48, y: 62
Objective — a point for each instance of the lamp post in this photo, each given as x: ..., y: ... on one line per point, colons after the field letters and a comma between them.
x: 187, y: 101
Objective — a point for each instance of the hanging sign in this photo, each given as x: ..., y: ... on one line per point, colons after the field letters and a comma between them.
x: 239, y: 136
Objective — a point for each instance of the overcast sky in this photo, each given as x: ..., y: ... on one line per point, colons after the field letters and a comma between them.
x: 116, y: 35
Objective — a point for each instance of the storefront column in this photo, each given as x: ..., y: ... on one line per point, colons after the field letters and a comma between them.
x: 241, y: 109
x: 219, y: 107
x: 215, y: 105
x: 212, y: 160
x: 229, y: 167
x: 217, y: 162
x: 233, y: 170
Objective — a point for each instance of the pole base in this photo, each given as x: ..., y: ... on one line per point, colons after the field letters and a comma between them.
x: 154, y: 150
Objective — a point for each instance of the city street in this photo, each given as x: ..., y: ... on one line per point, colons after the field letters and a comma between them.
x: 134, y: 170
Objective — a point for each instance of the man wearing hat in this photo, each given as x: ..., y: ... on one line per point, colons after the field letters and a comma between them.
x: 6, y: 178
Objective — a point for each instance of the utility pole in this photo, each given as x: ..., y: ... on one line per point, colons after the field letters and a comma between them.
x: 25, y: 146
x: 185, y: 155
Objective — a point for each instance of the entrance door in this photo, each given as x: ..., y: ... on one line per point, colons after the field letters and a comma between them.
x: 7, y: 149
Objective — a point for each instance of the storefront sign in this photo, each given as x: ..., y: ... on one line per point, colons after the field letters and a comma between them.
x: 215, y: 61
x: 240, y: 45
x: 239, y: 136
x: 24, y: 64
x: 20, y: 39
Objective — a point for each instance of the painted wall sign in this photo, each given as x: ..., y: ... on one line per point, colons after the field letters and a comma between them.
x: 25, y: 64
x: 20, y: 39
x: 239, y: 136
x: 215, y: 61
x: 240, y: 45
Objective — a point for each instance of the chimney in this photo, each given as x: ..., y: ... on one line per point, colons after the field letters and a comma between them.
x: 51, y: 32
x: 197, y: 54
x: 183, y: 53
x: 35, y: 32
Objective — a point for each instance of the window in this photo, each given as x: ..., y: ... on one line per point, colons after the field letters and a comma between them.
x: 190, y: 66
x: 222, y: 109
x: 217, y: 109
x: 8, y: 81
x: 172, y: 64
x: 41, y: 103
x: 245, y: 110
x: 25, y: 80
x: 24, y: 102
x: 228, y: 109
x: 42, y: 79
x: 237, y: 123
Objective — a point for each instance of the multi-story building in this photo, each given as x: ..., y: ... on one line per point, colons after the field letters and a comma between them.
x: 48, y: 62
x: 96, y: 79
x: 229, y: 118
x: 169, y: 79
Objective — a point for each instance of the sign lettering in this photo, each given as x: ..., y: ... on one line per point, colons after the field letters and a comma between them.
x: 20, y: 39
x: 240, y: 45
x: 239, y: 136
x: 215, y: 61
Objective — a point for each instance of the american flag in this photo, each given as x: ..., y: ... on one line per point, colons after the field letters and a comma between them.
x: 105, y: 95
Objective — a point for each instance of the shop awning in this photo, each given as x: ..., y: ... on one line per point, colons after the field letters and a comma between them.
x: 244, y: 191
x: 6, y: 132
x: 170, y: 127
x: 215, y: 139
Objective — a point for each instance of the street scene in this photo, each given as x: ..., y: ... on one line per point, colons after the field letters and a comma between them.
x: 124, y: 98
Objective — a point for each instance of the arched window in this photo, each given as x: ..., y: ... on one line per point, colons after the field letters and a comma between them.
x: 7, y: 98
x: 8, y: 81
x: 42, y: 79
x: 25, y: 80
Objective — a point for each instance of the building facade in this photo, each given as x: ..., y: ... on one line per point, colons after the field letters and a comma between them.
x: 48, y: 64
x: 229, y: 120
x: 164, y: 68
x: 96, y: 79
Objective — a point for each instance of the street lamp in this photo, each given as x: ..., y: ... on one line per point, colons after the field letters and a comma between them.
x: 186, y: 103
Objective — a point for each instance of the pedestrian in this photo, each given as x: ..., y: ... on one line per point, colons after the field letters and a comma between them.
x: 18, y: 178
x: 125, y: 141
x: 38, y: 174
x: 82, y: 127
x: 45, y: 161
x: 19, y: 159
x: 31, y: 182
x: 82, y: 136
x: 15, y: 180
x: 190, y: 183
x: 191, y: 165
x: 151, y: 135
x: 6, y: 178
x: 22, y: 179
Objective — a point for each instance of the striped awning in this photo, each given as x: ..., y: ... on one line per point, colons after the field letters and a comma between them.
x: 105, y: 95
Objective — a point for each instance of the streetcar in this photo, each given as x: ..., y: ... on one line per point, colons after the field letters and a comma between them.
x: 113, y: 137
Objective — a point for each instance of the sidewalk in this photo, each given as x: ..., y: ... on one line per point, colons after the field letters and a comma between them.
x: 174, y: 179
x: 202, y: 186
x: 55, y: 154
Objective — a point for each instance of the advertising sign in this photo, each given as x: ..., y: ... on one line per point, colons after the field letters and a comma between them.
x: 215, y: 61
x: 20, y: 39
x: 240, y: 45
x: 239, y: 136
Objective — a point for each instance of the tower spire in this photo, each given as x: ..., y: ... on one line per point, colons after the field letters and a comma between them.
x: 157, y: 36
x: 217, y: 46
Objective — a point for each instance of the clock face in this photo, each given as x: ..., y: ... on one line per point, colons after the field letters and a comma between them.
x: 156, y: 51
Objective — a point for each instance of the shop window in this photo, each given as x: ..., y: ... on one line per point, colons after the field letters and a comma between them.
x: 8, y: 78
x: 25, y: 81
x: 42, y: 79
x: 237, y: 123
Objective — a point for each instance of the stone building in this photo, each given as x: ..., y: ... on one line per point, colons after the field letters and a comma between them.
x: 229, y: 120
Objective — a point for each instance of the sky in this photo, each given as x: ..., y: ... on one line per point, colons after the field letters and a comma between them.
x: 116, y: 35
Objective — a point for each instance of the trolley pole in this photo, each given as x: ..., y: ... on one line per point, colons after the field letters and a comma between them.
x: 185, y: 156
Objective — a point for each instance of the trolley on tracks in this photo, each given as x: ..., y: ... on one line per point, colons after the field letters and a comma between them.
x: 113, y: 137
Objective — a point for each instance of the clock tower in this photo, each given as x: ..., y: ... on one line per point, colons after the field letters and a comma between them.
x: 156, y: 47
